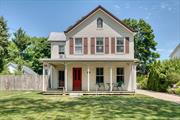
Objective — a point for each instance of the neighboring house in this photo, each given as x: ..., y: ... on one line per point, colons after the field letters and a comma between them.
x: 96, y: 53
x: 12, y: 68
x: 176, y: 52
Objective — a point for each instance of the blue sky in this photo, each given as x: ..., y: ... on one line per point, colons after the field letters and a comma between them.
x: 40, y: 17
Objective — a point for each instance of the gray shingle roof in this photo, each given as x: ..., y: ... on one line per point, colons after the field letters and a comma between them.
x: 57, y: 36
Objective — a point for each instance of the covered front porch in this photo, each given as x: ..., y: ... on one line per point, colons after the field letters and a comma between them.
x: 90, y: 77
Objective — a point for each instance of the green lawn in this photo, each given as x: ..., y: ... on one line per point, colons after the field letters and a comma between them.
x: 32, y: 105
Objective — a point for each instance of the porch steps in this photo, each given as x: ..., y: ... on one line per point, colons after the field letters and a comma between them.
x: 80, y: 93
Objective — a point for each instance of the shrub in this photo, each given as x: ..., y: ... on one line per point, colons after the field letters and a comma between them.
x: 177, y: 91
x: 163, y: 75
x: 142, y: 82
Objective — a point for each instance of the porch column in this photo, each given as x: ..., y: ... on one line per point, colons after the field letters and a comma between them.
x: 88, y: 78
x: 66, y: 76
x: 134, y: 76
x: 43, y: 87
x: 51, y: 75
x: 111, y: 79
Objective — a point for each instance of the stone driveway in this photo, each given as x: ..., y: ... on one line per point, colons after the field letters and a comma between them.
x: 160, y: 95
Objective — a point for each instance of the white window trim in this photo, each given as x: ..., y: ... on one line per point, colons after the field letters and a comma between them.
x: 75, y: 46
x: 121, y: 75
x: 101, y: 21
x: 116, y: 46
x: 99, y: 53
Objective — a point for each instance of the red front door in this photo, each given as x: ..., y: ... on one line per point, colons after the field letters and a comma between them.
x: 77, y: 73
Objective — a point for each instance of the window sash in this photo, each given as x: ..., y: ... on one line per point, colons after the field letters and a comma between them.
x: 120, y: 44
x: 99, y: 45
x: 99, y: 23
x: 78, y: 46
x: 120, y: 75
x: 61, y: 49
x: 99, y: 75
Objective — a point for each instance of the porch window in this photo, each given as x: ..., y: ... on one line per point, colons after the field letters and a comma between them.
x: 78, y: 45
x: 61, y: 49
x: 99, y: 45
x: 119, y: 44
x: 99, y: 75
x: 99, y: 23
x: 120, y: 75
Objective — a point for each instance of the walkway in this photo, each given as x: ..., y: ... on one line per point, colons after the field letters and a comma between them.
x: 160, y: 95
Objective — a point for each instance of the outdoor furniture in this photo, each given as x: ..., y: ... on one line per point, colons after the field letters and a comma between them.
x: 119, y: 85
x: 109, y: 86
x: 100, y: 86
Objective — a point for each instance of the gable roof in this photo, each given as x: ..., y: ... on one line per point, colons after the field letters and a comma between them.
x: 106, y: 11
x: 57, y: 36
x: 178, y: 46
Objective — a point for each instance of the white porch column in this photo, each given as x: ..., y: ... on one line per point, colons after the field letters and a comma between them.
x: 88, y: 79
x: 66, y: 75
x: 43, y: 86
x: 51, y: 69
x: 111, y: 79
x: 134, y: 76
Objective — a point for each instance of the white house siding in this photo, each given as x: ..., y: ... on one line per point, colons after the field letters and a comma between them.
x: 89, y: 29
x: 129, y: 81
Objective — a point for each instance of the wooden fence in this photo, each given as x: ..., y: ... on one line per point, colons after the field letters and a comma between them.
x: 23, y: 82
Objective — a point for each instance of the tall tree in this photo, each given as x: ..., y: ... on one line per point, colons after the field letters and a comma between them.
x: 21, y: 39
x: 144, y: 43
x: 3, y: 41
x: 39, y: 48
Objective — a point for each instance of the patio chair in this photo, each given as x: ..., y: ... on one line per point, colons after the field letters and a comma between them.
x: 119, y: 85
x: 100, y: 86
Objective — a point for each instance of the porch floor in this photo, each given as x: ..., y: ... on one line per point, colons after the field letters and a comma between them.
x: 60, y: 92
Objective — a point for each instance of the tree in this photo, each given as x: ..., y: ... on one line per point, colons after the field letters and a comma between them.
x: 38, y: 48
x: 21, y: 39
x: 3, y: 41
x: 144, y: 43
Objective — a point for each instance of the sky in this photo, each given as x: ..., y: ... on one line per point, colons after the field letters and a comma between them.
x: 40, y: 17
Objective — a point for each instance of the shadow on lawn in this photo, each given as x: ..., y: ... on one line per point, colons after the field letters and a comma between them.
x: 89, y: 107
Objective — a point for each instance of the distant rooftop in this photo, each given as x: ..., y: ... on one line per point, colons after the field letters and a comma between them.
x: 57, y: 36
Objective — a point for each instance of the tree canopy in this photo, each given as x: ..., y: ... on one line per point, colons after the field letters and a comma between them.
x: 144, y: 43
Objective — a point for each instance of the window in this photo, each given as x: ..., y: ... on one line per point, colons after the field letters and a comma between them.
x: 99, y: 45
x: 120, y: 75
x: 99, y: 23
x: 99, y: 75
x: 46, y: 71
x: 61, y: 49
x: 78, y: 45
x: 119, y: 44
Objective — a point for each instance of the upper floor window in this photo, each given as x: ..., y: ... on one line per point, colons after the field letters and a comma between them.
x: 119, y: 44
x: 78, y: 46
x: 120, y: 75
x: 99, y: 45
x: 99, y: 23
x: 61, y: 49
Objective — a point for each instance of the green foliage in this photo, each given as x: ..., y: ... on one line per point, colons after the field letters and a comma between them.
x: 163, y: 75
x: 142, y: 81
x: 3, y: 41
x: 39, y: 48
x: 21, y: 39
x: 144, y: 44
x: 177, y: 91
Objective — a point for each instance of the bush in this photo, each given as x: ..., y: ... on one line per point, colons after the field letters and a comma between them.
x: 177, y: 91
x: 163, y: 75
x: 142, y: 82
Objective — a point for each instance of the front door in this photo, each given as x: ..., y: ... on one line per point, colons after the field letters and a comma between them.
x: 77, y: 73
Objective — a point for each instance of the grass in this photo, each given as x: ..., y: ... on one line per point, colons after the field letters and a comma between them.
x: 32, y: 105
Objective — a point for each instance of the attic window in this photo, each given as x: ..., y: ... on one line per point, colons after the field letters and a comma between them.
x: 99, y: 23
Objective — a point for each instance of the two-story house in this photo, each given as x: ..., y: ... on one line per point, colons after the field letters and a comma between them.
x: 94, y: 54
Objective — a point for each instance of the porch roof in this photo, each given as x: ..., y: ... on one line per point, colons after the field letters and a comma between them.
x: 88, y: 60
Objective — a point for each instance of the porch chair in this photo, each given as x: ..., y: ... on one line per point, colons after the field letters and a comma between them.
x: 100, y: 86
x: 119, y: 85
